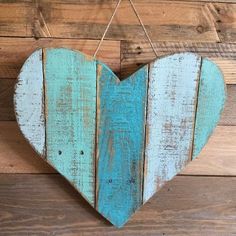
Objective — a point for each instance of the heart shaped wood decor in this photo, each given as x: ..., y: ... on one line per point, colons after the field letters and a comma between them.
x: 117, y: 142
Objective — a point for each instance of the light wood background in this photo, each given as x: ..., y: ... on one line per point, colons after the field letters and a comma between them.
x: 34, y: 199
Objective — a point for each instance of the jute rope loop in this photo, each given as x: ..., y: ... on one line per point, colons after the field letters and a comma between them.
x: 110, y: 21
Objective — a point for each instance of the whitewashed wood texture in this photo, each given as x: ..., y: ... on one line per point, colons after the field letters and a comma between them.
x: 29, y: 104
x: 172, y: 95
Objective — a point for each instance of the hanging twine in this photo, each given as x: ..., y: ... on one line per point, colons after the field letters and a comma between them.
x: 110, y: 21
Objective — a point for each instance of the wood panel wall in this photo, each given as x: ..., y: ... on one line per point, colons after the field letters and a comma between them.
x: 201, y: 200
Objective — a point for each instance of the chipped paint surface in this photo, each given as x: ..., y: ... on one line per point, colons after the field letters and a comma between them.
x: 28, y: 100
x: 70, y: 84
x: 211, y: 100
x: 173, y: 83
x: 120, y: 148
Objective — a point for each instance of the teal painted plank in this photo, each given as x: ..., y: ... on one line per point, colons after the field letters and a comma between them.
x: 173, y: 83
x: 211, y: 100
x: 121, y: 134
x: 28, y: 101
x: 70, y: 85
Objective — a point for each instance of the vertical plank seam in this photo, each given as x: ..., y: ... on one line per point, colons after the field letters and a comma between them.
x: 196, y: 108
x: 145, y: 137
x: 96, y: 143
x: 44, y: 102
x: 121, y: 54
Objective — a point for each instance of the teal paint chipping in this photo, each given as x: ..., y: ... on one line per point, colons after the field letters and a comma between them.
x: 70, y: 102
x: 211, y: 100
x: 121, y: 132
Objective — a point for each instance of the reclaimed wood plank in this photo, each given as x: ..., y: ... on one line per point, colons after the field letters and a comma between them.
x: 134, y: 54
x: 16, y: 18
x: 70, y: 108
x: 14, y: 51
x: 121, y: 134
x: 29, y: 102
x: 224, y: 16
x: 229, y: 114
x: 172, y: 95
x: 211, y: 99
x: 188, y: 21
x: 47, y: 204
x: 6, y: 99
x: 216, y: 158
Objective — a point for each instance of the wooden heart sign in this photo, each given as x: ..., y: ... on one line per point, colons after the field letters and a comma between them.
x: 117, y: 142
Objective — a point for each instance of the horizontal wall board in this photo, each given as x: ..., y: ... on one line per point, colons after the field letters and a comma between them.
x: 133, y: 55
x: 14, y: 51
x: 229, y: 114
x: 224, y: 16
x: 47, y: 204
x: 164, y: 20
x: 217, y: 158
x: 188, y: 20
x: 6, y: 99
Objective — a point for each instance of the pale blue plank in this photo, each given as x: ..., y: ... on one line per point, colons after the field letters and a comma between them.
x: 70, y: 84
x: 28, y: 101
x: 211, y: 100
x: 121, y: 123
x: 173, y: 82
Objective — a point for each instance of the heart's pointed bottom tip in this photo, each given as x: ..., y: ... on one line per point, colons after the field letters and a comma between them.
x: 120, y: 223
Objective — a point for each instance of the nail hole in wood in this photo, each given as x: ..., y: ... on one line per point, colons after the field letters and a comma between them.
x: 139, y: 50
x: 200, y: 29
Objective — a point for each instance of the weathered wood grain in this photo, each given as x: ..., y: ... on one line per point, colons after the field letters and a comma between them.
x: 47, y: 204
x: 217, y: 158
x: 121, y: 135
x: 16, y: 18
x: 210, y: 104
x: 14, y: 51
x: 224, y: 16
x: 200, y: 21
x: 172, y: 96
x: 135, y: 54
x: 229, y: 114
x: 6, y: 99
x: 29, y: 102
x: 70, y: 112
x: 79, y: 19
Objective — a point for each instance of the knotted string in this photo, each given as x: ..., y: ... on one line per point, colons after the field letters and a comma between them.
x: 110, y: 21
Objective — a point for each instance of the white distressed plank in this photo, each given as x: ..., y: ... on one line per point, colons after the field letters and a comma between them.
x: 28, y: 101
x: 173, y: 82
